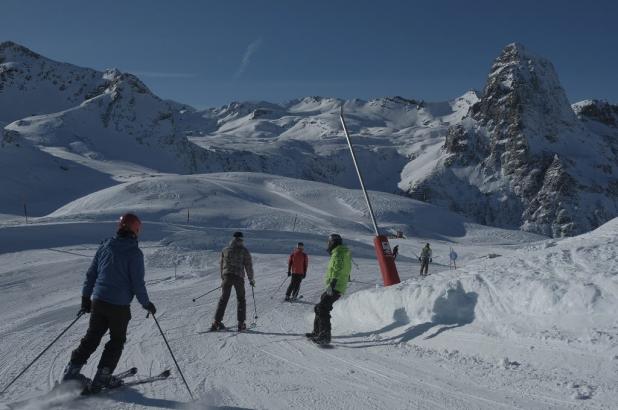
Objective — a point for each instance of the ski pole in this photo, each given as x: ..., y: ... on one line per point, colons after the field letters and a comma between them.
x: 201, y: 296
x: 273, y: 294
x: 172, y: 353
x: 79, y: 315
x: 254, y: 305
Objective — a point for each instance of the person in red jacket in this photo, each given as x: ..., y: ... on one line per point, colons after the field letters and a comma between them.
x: 297, y: 269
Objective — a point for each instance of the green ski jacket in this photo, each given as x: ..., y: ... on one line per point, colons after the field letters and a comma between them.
x: 339, y: 268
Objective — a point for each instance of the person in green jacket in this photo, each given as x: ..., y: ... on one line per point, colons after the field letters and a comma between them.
x: 336, y: 281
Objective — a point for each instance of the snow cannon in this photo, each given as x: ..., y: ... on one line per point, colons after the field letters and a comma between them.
x: 386, y: 260
x: 384, y: 253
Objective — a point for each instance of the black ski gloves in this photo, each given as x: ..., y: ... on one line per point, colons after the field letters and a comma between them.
x: 289, y: 273
x: 430, y: 260
x: 150, y: 307
x: 252, y: 283
x: 86, y: 305
x: 419, y: 258
x: 304, y: 275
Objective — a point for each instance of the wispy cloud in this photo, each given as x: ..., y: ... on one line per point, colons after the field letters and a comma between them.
x: 246, y: 58
x: 158, y: 74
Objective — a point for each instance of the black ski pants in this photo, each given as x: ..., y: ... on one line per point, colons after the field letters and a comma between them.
x: 424, y: 266
x: 103, y: 317
x: 321, y: 323
x: 294, y: 286
x: 238, y: 283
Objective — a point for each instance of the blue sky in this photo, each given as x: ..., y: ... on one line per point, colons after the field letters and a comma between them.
x: 208, y: 53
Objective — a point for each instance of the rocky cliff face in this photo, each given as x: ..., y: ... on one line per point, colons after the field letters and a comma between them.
x: 524, y: 158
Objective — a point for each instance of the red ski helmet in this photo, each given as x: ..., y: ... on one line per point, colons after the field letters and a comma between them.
x: 129, y: 222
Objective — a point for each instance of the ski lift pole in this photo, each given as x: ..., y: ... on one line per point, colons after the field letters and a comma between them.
x: 390, y: 276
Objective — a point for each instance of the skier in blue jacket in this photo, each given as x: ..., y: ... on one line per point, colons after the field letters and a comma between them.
x: 114, y: 277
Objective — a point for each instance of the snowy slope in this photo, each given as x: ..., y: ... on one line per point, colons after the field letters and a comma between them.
x: 39, y: 180
x: 515, y: 156
x: 533, y: 328
x: 31, y: 84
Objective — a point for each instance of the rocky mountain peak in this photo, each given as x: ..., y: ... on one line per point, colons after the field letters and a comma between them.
x: 523, y: 92
x: 10, y: 51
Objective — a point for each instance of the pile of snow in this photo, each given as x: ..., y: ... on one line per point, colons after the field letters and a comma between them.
x: 565, y: 289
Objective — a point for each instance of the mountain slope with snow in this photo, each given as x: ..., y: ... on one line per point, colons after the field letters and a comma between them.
x: 517, y: 155
x: 522, y: 158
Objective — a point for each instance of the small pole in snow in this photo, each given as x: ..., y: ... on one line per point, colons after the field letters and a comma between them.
x: 187, y: 215
x: 26, y: 212
x: 294, y: 227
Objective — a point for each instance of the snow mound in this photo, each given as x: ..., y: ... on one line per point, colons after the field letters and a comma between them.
x: 565, y: 289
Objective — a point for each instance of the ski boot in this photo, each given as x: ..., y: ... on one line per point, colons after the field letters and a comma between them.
x: 322, y: 338
x: 310, y: 335
x: 104, y: 379
x: 242, y: 326
x: 287, y: 298
x: 73, y: 372
x: 217, y: 326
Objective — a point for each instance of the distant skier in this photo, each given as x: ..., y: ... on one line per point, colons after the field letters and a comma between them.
x: 235, y: 262
x: 425, y: 260
x: 116, y: 274
x: 297, y: 269
x: 452, y: 258
x: 395, y: 251
x: 337, y: 277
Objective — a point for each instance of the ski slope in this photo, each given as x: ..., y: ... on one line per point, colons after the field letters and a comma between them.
x: 524, y: 323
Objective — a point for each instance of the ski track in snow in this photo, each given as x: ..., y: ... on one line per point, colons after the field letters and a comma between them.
x: 524, y: 347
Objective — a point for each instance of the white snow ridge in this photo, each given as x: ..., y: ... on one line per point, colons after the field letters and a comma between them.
x: 520, y: 184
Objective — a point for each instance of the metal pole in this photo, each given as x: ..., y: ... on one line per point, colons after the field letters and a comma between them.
x: 172, y: 353
x: 273, y: 294
x: 79, y: 315
x: 210, y: 291
x: 358, y: 172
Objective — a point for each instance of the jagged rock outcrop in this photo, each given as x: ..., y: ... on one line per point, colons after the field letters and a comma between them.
x: 523, y: 157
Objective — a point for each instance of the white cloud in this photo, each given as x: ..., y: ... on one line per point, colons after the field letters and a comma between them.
x: 246, y: 58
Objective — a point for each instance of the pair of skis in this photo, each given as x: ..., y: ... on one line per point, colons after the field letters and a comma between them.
x: 123, y: 376
x: 294, y: 299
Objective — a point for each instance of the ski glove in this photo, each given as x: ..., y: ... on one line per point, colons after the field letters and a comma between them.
x: 419, y: 259
x: 289, y: 273
x: 430, y: 260
x: 252, y: 283
x: 86, y: 305
x: 304, y: 275
x: 150, y: 307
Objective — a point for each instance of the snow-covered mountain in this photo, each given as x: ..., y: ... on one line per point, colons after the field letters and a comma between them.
x: 516, y: 156
x: 522, y: 158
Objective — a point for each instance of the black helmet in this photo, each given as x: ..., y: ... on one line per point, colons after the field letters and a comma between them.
x: 334, y: 240
x: 237, y: 235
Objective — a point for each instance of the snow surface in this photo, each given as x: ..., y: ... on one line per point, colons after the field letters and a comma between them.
x: 524, y: 323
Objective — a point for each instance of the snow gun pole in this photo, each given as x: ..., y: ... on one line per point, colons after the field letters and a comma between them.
x: 201, y: 296
x: 390, y: 276
x: 172, y: 354
x: 79, y: 315
x: 273, y: 294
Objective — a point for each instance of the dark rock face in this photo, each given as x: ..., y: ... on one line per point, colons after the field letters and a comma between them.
x: 515, y: 161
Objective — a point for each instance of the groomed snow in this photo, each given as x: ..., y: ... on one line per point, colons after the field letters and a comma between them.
x: 524, y: 323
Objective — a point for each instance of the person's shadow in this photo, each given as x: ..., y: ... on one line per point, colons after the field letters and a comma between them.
x: 453, y: 309
x: 132, y: 396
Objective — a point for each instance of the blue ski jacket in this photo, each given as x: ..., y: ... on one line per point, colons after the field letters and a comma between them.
x: 117, y: 273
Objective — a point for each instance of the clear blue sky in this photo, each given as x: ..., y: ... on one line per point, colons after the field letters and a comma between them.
x: 208, y: 53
